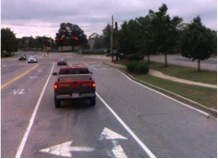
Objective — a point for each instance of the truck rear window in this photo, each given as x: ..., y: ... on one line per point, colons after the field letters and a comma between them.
x: 74, y: 71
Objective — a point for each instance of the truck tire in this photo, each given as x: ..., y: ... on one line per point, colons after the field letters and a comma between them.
x: 57, y: 103
x: 92, y: 101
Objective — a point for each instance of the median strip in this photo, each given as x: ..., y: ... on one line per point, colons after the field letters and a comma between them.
x: 18, y: 77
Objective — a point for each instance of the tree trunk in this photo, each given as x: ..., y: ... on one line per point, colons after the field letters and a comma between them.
x: 166, y: 60
x: 148, y: 58
x: 199, y: 65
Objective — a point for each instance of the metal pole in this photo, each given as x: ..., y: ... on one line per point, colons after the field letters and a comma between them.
x: 111, y: 49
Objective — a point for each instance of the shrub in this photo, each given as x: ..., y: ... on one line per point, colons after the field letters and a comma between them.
x: 135, y: 57
x: 138, y: 67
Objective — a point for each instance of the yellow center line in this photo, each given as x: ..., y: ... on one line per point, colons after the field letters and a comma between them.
x: 18, y: 77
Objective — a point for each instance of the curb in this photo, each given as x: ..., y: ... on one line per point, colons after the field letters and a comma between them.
x: 194, y: 104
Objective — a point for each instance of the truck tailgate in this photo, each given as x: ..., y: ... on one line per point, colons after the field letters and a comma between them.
x: 70, y: 86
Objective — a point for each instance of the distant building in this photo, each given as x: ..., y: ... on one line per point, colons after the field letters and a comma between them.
x: 92, y: 39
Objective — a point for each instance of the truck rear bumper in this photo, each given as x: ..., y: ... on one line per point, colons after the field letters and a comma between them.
x: 76, y: 96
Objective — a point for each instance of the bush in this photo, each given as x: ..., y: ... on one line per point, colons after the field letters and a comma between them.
x: 135, y: 57
x: 138, y: 67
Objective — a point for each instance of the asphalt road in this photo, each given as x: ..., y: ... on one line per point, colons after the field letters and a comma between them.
x: 208, y: 64
x: 128, y: 120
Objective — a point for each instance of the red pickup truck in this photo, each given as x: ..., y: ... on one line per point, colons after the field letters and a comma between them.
x: 74, y: 82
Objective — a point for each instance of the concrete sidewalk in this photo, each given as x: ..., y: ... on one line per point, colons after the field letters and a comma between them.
x: 179, y: 80
x: 171, y: 78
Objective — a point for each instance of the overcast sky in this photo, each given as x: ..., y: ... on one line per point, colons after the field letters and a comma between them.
x: 43, y: 17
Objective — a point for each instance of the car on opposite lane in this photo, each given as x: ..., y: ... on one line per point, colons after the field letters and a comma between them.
x: 22, y: 57
x: 62, y: 61
x: 32, y: 59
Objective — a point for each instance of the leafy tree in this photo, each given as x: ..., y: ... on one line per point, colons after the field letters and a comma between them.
x: 8, y: 40
x: 144, y: 40
x: 197, y: 42
x: 70, y: 35
x: 99, y: 43
x: 107, y: 36
x: 26, y: 42
x: 128, y: 37
x: 153, y: 33
x: 163, y: 31
x: 38, y: 42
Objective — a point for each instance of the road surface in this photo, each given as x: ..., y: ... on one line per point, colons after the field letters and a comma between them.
x: 128, y: 120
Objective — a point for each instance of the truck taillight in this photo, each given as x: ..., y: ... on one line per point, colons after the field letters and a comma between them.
x: 55, y: 86
x: 94, y: 85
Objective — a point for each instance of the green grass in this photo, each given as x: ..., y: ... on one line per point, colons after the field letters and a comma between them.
x: 183, y: 72
x: 202, y: 95
x: 187, y: 73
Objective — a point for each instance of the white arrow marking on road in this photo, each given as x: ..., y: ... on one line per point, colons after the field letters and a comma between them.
x: 18, y: 91
x: 111, y: 135
x: 117, y: 150
x: 32, y: 77
x: 21, y: 91
x: 65, y: 149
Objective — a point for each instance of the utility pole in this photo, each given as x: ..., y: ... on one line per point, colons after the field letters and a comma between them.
x: 112, y: 30
x: 115, y: 36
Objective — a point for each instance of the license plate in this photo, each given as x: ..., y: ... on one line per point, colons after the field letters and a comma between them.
x: 75, y: 94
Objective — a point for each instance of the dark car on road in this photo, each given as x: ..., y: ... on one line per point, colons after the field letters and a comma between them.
x: 32, y: 59
x: 116, y: 53
x: 61, y: 61
x: 22, y: 57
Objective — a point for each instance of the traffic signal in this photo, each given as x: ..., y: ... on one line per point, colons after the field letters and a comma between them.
x: 76, y: 38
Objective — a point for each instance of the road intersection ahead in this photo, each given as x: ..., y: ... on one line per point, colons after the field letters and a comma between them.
x: 129, y: 119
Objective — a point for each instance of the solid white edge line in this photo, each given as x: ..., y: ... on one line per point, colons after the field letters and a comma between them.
x: 26, y: 134
x: 91, y: 66
x: 198, y: 110
x: 143, y: 146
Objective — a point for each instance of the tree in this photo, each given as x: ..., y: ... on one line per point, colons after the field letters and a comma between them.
x: 98, y: 42
x: 8, y: 40
x: 154, y: 33
x: 107, y: 36
x: 197, y: 42
x: 35, y: 43
x: 144, y: 42
x: 128, y: 37
x: 163, y: 31
x: 70, y: 35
